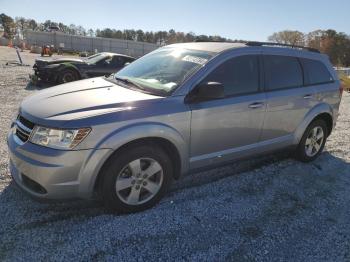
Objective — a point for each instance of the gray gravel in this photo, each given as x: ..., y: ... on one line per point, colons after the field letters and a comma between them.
x: 269, y: 209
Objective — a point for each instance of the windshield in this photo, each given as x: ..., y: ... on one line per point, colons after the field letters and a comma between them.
x: 165, y: 69
x: 95, y: 58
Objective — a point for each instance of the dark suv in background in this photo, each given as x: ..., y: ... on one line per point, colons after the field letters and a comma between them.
x: 65, y: 70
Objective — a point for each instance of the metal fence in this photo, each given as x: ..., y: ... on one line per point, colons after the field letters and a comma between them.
x: 343, y: 70
x: 90, y: 44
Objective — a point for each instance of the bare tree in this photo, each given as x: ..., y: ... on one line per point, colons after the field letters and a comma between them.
x: 314, y: 38
x: 288, y: 37
x: 32, y: 24
x: 91, y: 32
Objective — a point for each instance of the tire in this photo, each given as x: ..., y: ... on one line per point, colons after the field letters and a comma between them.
x: 312, y: 140
x: 67, y: 75
x: 123, y: 190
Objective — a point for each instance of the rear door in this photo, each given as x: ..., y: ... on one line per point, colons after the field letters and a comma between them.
x: 288, y: 99
x: 223, y: 128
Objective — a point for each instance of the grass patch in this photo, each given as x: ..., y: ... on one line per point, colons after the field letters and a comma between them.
x: 345, y: 80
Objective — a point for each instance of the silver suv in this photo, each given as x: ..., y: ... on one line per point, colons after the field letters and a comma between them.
x: 180, y: 108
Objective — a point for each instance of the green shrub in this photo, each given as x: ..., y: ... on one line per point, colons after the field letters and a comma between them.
x: 345, y: 80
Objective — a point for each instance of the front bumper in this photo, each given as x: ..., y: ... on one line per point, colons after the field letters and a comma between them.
x: 54, y: 174
x: 44, y: 74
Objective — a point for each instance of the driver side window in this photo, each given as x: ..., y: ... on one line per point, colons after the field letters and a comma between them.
x: 104, y: 62
x: 239, y: 75
x: 117, y: 61
x: 108, y: 60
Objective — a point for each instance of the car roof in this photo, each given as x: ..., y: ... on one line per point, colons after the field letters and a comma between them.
x: 215, y: 47
x: 218, y: 47
x: 116, y: 54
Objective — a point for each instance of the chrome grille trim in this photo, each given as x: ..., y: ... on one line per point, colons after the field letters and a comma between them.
x: 23, y: 127
x: 22, y: 132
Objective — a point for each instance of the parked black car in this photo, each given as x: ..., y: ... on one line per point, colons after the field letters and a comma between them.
x: 70, y: 69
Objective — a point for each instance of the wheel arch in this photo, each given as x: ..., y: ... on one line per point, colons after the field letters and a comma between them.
x: 328, y: 119
x: 65, y: 66
x: 165, y: 144
x: 165, y: 137
x: 321, y: 111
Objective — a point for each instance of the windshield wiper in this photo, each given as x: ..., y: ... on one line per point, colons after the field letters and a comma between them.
x: 135, y: 85
x: 129, y: 82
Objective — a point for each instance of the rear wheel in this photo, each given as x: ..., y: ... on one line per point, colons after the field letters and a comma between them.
x: 136, y: 179
x: 313, y: 141
x: 67, y: 75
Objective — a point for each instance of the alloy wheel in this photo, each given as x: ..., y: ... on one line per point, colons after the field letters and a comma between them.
x: 314, y: 141
x: 139, y: 181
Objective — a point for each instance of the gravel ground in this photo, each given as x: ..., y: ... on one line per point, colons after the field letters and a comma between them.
x: 269, y: 209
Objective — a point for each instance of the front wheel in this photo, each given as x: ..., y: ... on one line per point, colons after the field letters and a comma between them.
x: 136, y: 179
x: 67, y: 75
x: 313, y: 141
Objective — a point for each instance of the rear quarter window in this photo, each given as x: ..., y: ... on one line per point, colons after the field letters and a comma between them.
x: 315, y: 72
x: 282, y: 72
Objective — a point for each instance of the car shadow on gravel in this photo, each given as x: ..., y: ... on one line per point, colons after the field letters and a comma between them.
x: 235, y: 168
x: 14, y: 203
x: 307, y: 197
x: 47, y: 211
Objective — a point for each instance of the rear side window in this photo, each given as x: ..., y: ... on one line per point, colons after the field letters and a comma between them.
x: 315, y: 72
x: 239, y: 75
x: 282, y: 72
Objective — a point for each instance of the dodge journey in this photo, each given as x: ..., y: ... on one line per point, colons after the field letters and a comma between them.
x: 180, y: 108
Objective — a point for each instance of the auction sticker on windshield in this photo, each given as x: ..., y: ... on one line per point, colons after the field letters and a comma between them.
x: 195, y: 59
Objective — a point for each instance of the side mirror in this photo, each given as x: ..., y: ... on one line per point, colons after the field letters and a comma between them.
x: 206, y: 91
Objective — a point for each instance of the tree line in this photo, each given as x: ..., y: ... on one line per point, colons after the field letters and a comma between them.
x: 335, y: 44
x: 15, y: 26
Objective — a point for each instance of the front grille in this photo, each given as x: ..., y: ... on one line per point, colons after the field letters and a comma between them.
x: 21, y: 135
x: 25, y: 122
x: 23, y: 128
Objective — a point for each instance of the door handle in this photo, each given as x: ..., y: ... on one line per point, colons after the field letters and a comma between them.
x: 308, y: 96
x: 256, y: 105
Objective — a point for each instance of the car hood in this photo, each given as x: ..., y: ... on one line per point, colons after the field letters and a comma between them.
x: 81, y: 99
x: 59, y: 61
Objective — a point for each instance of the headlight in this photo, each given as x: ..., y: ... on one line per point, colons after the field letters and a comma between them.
x: 58, y: 138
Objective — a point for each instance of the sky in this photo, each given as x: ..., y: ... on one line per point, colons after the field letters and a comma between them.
x: 235, y: 19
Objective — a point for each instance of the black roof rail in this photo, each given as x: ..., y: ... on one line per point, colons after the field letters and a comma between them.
x: 255, y: 43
